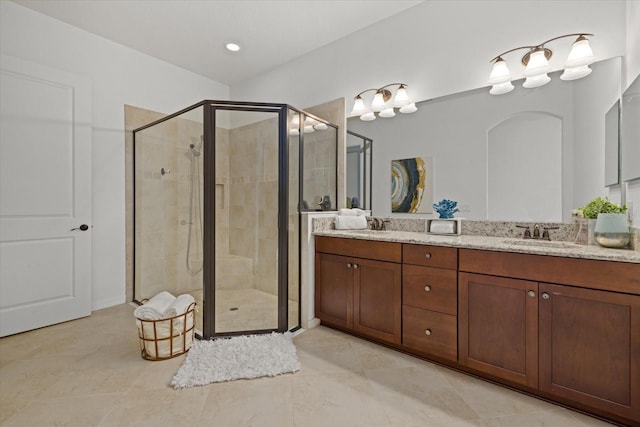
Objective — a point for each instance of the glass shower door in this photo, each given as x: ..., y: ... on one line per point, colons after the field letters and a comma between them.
x: 247, y: 246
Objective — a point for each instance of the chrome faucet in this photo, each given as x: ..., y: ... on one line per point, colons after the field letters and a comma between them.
x: 536, y: 232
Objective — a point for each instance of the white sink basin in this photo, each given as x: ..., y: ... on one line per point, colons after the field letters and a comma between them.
x: 543, y: 243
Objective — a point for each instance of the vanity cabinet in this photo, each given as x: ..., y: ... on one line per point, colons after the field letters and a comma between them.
x: 358, y: 287
x: 590, y: 348
x: 499, y: 327
x: 573, y: 340
x: 429, y: 296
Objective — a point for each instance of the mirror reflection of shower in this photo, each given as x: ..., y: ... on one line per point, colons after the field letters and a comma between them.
x: 195, y: 209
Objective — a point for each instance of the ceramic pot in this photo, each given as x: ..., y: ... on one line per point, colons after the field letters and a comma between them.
x: 612, y: 230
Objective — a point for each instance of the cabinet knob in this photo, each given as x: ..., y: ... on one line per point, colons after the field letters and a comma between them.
x: 531, y: 294
x: 355, y: 266
x: 545, y: 295
x: 427, y: 255
x: 427, y: 288
x: 348, y: 265
x: 427, y: 332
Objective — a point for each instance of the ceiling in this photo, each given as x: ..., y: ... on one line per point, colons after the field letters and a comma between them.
x: 192, y: 33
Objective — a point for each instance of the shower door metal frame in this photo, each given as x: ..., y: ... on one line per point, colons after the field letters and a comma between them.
x: 209, y: 121
x: 209, y: 276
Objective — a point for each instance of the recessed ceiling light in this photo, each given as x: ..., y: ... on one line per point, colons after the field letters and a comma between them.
x: 233, y: 47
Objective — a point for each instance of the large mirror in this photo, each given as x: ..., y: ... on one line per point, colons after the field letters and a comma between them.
x: 612, y: 145
x: 529, y: 155
x: 631, y: 132
x: 359, y: 171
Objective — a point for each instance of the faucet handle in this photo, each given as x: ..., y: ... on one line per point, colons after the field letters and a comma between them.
x: 527, y: 232
x: 545, y: 233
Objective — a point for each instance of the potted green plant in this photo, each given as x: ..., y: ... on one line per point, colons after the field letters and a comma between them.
x: 608, y: 225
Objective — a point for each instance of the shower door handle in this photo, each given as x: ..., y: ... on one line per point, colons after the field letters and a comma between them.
x: 83, y: 227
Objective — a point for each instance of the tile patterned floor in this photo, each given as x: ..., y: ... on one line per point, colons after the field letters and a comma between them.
x: 89, y: 372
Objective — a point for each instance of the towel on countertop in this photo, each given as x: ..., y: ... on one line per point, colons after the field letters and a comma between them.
x: 155, y: 307
x: 350, y: 222
x: 178, y: 306
x: 352, y: 212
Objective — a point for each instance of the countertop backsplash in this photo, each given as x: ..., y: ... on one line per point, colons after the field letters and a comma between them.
x: 565, y: 232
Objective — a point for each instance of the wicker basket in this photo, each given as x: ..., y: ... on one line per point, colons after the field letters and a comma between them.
x: 167, y: 338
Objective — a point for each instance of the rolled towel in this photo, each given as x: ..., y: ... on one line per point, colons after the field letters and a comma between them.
x: 349, y: 222
x: 178, y: 306
x: 352, y: 212
x: 155, y: 307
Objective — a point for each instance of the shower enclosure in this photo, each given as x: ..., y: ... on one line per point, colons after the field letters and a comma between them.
x: 218, y: 191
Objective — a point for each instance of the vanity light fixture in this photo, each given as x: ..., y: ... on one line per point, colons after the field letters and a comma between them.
x: 382, y: 104
x: 310, y: 125
x: 537, y: 66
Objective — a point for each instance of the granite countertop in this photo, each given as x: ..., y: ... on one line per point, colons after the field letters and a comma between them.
x: 536, y: 247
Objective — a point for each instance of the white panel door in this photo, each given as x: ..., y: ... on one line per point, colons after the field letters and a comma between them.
x: 45, y: 196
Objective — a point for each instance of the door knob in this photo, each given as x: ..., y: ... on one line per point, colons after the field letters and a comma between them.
x: 531, y: 294
x: 427, y: 288
x: 545, y: 295
x: 348, y: 265
x: 83, y: 227
x: 427, y: 255
x: 355, y: 266
x: 427, y: 332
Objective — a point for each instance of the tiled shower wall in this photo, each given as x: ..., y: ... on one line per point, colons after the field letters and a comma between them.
x: 163, y: 209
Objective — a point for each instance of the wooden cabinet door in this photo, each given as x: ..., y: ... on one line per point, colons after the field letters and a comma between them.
x: 378, y: 299
x: 498, y: 327
x: 334, y: 290
x: 590, y: 348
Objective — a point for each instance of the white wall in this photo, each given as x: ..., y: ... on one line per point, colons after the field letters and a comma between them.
x: 119, y: 76
x: 632, y: 71
x: 439, y: 48
x: 633, y: 42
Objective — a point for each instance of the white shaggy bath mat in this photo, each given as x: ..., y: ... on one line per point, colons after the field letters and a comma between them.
x: 227, y: 359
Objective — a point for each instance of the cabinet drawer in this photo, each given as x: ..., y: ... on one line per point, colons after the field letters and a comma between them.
x: 430, y: 256
x: 369, y: 249
x: 430, y: 332
x: 430, y: 288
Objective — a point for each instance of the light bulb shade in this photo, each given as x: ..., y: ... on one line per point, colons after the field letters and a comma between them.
x: 358, y: 107
x: 378, y: 102
x: 308, y: 129
x: 367, y: 117
x: 537, y: 65
x: 576, y: 73
x: 320, y: 126
x: 402, y: 97
x: 410, y: 108
x: 295, y: 121
x: 387, y: 112
x: 294, y: 132
x: 500, y: 73
x: 581, y: 54
x: 536, y: 81
x: 501, y: 88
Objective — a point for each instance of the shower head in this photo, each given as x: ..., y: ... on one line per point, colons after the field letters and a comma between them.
x: 195, y: 150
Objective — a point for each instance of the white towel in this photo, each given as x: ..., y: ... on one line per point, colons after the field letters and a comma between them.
x: 155, y: 307
x: 349, y: 222
x: 178, y: 306
x: 352, y: 212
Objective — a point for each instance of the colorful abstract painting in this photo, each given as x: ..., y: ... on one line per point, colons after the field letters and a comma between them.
x: 412, y: 185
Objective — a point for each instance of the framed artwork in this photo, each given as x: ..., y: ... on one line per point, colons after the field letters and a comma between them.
x: 412, y: 185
